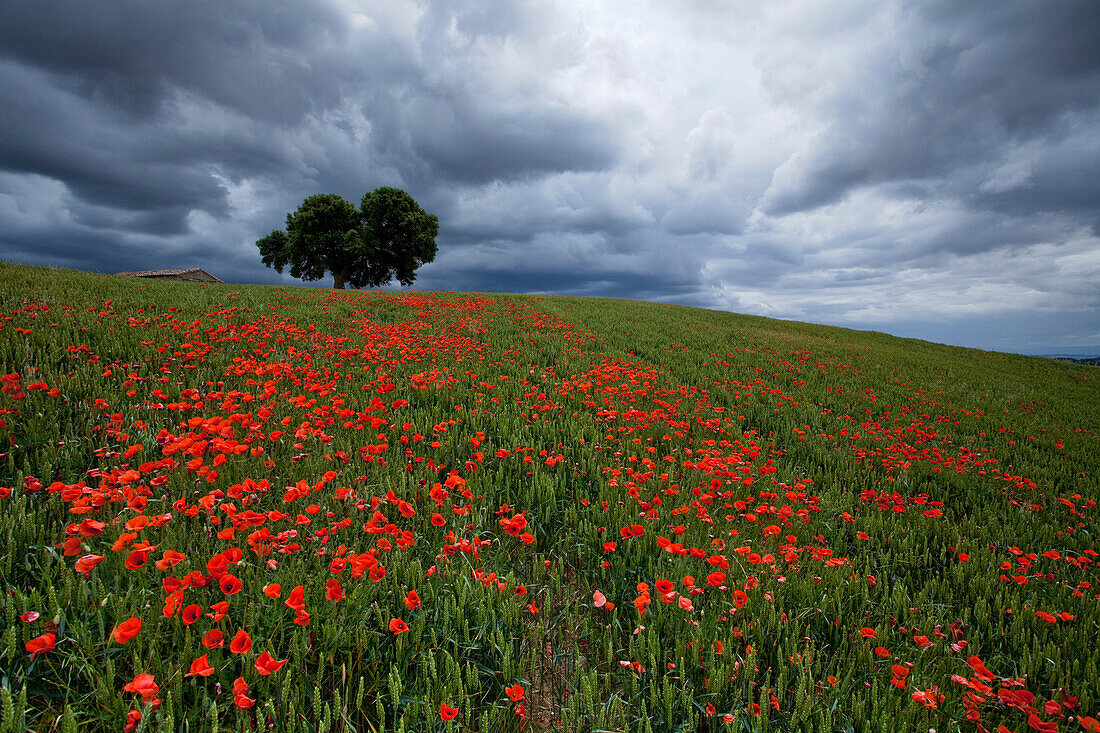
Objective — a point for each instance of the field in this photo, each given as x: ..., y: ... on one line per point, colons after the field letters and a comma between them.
x: 248, y: 508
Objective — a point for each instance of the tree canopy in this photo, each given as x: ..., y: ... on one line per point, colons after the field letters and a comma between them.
x: 388, y: 237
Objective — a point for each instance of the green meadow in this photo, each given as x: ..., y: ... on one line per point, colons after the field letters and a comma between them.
x: 235, y: 507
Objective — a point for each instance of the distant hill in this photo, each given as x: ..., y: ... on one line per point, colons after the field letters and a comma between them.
x: 1093, y: 360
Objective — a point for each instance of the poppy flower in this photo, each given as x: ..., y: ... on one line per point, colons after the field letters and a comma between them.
x: 133, y: 719
x: 266, y: 664
x: 41, y: 645
x: 143, y: 685
x: 230, y: 584
x: 598, y: 599
x: 515, y: 692
x: 397, y: 626
x: 333, y: 591
x: 213, y: 639
x: 127, y: 630
x: 979, y: 669
x: 138, y: 557
x: 412, y: 601
x: 170, y: 559
x: 200, y: 667
x: 240, y: 694
x: 29, y: 617
x: 218, y: 610
x: 273, y: 590
x: 928, y: 698
x: 867, y: 633
x: 85, y: 564
x: 716, y: 578
x: 90, y: 528
x: 191, y: 614
x: 900, y: 673
x: 446, y: 712
x: 241, y: 643
x: 295, y: 599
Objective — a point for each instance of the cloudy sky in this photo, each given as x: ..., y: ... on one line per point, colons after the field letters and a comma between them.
x: 929, y: 169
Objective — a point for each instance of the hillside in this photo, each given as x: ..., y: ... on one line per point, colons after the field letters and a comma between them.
x: 228, y: 507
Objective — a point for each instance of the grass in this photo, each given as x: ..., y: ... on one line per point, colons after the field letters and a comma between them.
x: 444, y: 511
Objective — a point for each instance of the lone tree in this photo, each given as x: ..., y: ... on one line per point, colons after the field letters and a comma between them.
x: 389, y: 236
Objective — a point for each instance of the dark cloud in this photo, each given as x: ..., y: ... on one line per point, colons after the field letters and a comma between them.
x: 267, y: 60
x: 964, y: 83
x: 462, y: 142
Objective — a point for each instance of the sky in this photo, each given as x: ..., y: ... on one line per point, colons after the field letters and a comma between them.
x: 930, y: 169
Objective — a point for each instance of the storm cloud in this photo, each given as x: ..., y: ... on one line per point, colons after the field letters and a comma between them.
x: 922, y: 168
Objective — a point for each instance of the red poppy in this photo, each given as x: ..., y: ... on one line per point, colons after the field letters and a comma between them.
x: 412, y: 601
x: 397, y: 626
x: 133, y: 719
x: 241, y: 643
x: 90, y: 528
x: 143, y: 685
x: 515, y: 692
x: 191, y: 614
x: 266, y: 664
x: 85, y: 564
x: 979, y: 669
x: 200, y: 667
x: 170, y: 559
x: 740, y: 598
x: 438, y: 520
x: 41, y: 645
x: 295, y: 599
x: 716, y: 578
x: 230, y: 584
x: 216, y: 565
x: 333, y: 591
x: 29, y: 617
x: 127, y: 630
x: 138, y: 557
x: 213, y: 639
x: 240, y: 694
x: 867, y: 633
x: 273, y: 590
x: 447, y: 712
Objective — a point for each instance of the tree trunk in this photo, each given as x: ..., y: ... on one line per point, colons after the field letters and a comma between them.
x: 338, y: 280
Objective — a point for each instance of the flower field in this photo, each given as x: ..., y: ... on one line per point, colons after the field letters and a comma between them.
x: 250, y: 508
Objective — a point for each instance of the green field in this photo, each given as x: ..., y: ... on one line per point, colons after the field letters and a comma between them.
x: 238, y: 507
